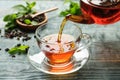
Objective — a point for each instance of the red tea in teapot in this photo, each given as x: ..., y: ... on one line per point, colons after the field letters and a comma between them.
x: 101, y: 11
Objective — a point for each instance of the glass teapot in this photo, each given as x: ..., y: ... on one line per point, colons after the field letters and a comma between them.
x: 97, y: 11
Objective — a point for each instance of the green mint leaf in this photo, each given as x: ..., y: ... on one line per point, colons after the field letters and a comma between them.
x: 11, y: 21
x: 14, y: 16
x: 34, y: 23
x: 7, y: 18
x: 10, y: 25
x: 18, y: 49
x: 32, y: 5
x: 74, y: 4
x: 23, y: 48
x: 27, y: 21
x: 64, y: 13
x: 13, y: 50
x: 74, y: 9
x: 20, y: 14
x: 10, y: 17
x: 20, y: 8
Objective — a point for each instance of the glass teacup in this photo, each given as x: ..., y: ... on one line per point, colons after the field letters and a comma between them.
x: 59, y: 57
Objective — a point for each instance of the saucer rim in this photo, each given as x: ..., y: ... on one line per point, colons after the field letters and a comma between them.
x: 58, y: 73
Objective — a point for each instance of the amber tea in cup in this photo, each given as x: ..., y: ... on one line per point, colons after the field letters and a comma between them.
x: 58, y: 52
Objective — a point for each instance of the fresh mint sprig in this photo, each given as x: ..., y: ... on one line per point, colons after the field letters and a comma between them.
x: 21, y: 10
x: 22, y: 49
x: 74, y: 9
x: 25, y: 9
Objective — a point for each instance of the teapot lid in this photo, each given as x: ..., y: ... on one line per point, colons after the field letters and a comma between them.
x: 104, y: 3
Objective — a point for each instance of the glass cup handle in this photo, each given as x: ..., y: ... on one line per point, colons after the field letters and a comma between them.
x: 85, y: 42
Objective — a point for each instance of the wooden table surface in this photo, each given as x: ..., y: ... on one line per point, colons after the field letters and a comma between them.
x: 103, y: 64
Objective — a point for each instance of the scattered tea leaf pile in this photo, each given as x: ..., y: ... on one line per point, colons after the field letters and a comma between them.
x: 16, y: 33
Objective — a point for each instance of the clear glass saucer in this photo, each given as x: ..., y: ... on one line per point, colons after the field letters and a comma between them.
x: 38, y: 60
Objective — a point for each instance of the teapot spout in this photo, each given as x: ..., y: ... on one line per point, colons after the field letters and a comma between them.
x: 80, y: 19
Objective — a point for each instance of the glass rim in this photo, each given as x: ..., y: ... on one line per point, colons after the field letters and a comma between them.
x: 43, y: 41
